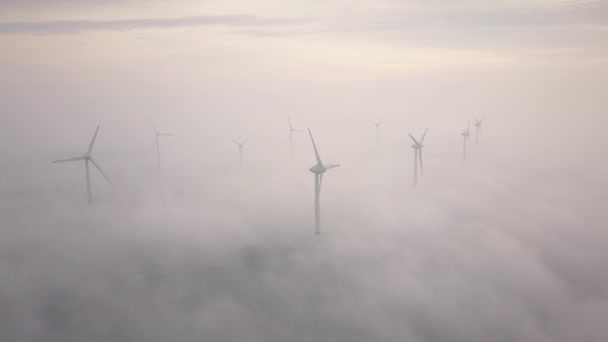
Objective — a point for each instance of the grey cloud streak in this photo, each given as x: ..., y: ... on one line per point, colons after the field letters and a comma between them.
x: 75, y: 26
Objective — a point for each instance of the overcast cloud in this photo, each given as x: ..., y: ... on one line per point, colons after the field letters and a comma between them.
x: 507, y: 247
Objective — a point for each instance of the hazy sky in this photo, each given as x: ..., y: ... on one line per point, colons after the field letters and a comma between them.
x: 508, y: 247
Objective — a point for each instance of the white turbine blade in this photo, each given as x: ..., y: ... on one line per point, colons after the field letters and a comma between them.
x: 483, y: 118
x: 93, y: 140
x: 423, y: 135
x: 315, y: 147
x: 236, y: 143
x: 68, y: 159
x: 153, y: 127
x: 379, y: 122
x: 320, y: 182
x: 100, y: 171
x: 297, y: 130
x: 166, y: 134
x: 421, y: 164
x: 476, y: 120
x: 416, y: 141
x: 331, y: 166
x: 155, y: 141
x: 245, y: 141
x: 290, y: 126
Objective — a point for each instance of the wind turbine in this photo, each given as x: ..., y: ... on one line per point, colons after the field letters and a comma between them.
x: 157, y: 143
x: 478, y: 128
x: 291, y: 130
x: 466, y: 135
x: 240, y: 151
x: 417, y: 146
x: 377, y: 124
x: 87, y: 157
x: 318, y: 169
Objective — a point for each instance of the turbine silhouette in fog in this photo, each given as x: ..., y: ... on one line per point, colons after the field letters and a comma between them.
x: 478, y: 128
x: 240, y: 151
x: 377, y: 124
x: 466, y: 136
x: 417, y: 146
x: 87, y: 157
x: 157, y: 143
x: 291, y: 130
x: 318, y: 169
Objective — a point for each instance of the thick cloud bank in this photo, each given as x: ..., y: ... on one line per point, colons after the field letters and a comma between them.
x: 504, y: 248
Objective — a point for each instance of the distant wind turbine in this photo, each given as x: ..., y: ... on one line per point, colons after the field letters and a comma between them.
x: 377, y: 124
x: 417, y: 146
x: 87, y: 157
x: 478, y: 128
x: 291, y: 130
x: 240, y: 145
x: 466, y: 135
x: 318, y: 169
x: 157, y: 142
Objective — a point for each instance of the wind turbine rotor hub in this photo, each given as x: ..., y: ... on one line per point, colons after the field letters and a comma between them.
x: 317, y: 169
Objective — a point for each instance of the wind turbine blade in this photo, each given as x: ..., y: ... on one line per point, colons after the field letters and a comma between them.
x: 379, y: 122
x: 320, y: 182
x: 423, y: 135
x: 331, y: 166
x: 155, y: 141
x: 420, y: 157
x: 289, y: 120
x: 315, y: 147
x: 245, y: 141
x: 483, y: 118
x: 416, y: 141
x: 93, y: 140
x: 476, y: 120
x: 236, y: 143
x: 68, y: 159
x: 100, y: 171
x: 153, y: 127
x: 166, y: 134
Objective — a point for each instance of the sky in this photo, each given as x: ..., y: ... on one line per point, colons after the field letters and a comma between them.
x: 508, y: 246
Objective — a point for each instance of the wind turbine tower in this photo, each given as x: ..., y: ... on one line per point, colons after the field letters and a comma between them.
x: 157, y: 143
x: 417, y: 146
x: 240, y: 146
x: 87, y: 157
x: 377, y: 124
x: 466, y: 139
x: 291, y: 131
x: 478, y: 124
x: 318, y: 169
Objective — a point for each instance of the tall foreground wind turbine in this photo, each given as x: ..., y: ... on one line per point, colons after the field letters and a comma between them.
x: 377, y: 124
x: 291, y: 130
x: 466, y: 138
x: 87, y: 157
x: 478, y: 128
x: 417, y: 146
x: 240, y: 145
x: 318, y: 169
x: 157, y: 143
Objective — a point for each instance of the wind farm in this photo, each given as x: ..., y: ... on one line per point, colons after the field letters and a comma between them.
x: 491, y: 230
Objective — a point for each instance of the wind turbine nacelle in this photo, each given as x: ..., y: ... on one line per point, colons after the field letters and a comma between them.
x: 86, y: 156
x: 478, y: 124
x: 318, y: 169
x: 416, y: 146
